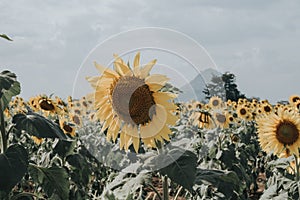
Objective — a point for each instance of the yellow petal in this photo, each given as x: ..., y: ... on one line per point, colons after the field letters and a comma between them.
x: 154, y: 87
x: 136, y: 62
x: 149, y: 142
x: 136, y: 144
x: 157, y: 79
x: 92, y: 80
x: 122, y: 139
x: 107, y: 123
x: 147, y: 68
x: 105, y: 70
x: 121, y: 68
x: 165, y: 132
x: 172, y: 119
x: 162, y: 97
x: 104, y: 113
x: 118, y: 59
x: 116, y: 129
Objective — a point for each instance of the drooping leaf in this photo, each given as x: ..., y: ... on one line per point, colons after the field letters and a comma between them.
x: 13, y: 166
x: 226, y: 182
x: 4, y: 36
x: 54, y: 181
x: 7, y: 78
x: 182, y: 167
x: 9, y: 87
x: 37, y: 125
x: 14, y: 90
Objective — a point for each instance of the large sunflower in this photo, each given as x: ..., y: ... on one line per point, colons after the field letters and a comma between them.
x: 130, y: 104
x: 279, y: 132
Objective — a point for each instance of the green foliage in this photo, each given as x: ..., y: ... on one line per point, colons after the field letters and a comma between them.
x: 54, y: 181
x: 9, y: 87
x: 227, y: 182
x: 182, y: 167
x: 13, y: 166
x: 37, y: 125
x: 223, y: 86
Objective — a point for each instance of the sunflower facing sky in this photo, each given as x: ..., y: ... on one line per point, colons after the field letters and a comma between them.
x: 130, y: 105
x: 279, y: 132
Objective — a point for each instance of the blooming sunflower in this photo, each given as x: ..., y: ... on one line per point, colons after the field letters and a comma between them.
x: 279, y: 132
x: 129, y: 101
x: 265, y: 108
x: 243, y: 112
x: 221, y: 119
x: 215, y: 102
x: 294, y: 98
x: 67, y: 127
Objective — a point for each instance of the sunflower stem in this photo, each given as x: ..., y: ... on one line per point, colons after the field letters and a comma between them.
x: 3, y: 132
x: 165, y: 187
x: 297, y: 168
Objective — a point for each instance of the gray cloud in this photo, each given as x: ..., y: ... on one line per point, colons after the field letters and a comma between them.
x: 257, y: 40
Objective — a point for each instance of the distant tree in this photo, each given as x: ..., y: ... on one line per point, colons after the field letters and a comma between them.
x: 223, y: 86
x: 215, y: 88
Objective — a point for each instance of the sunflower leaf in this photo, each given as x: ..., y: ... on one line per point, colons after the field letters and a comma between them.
x: 13, y: 166
x: 4, y: 36
x: 54, y: 180
x: 37, y: 125
x: 14, y: 90
x: 9, y: 87
x: 226, y: 182
x: 182, y: 167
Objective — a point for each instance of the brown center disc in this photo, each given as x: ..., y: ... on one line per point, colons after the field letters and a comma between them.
x: 287, y: 132
x: 132, y: 100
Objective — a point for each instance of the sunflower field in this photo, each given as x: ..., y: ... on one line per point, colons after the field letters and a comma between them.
x: 132, y: 139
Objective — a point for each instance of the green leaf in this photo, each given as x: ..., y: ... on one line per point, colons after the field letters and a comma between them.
x: 13, y: 166
x: 14, y: 90
x: 124, y: 185
x: 5, y: 37
x: 37, y: 125
x: 7, y: 79
x: 54, y: 181
x: 82, y: 171
x: 226, y: 182
x: 9, y: 87
x: 64, y: 148
x: 182, y: 169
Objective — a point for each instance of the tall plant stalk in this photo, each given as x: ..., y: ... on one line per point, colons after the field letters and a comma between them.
x: 2, y: 129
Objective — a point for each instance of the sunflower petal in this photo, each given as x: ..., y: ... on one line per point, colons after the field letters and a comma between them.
x: 157, y: 79
x: 147, y: 68
x: 136, y: 62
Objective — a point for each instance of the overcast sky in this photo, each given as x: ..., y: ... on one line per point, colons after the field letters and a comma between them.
x: 258, y: 41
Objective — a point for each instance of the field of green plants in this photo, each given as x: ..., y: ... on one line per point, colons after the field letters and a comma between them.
x: 132, y: 139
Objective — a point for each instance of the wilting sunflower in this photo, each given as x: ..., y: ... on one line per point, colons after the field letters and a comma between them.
x: 202, y: 119
x: 278, y: 132
x: 129, y: 101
